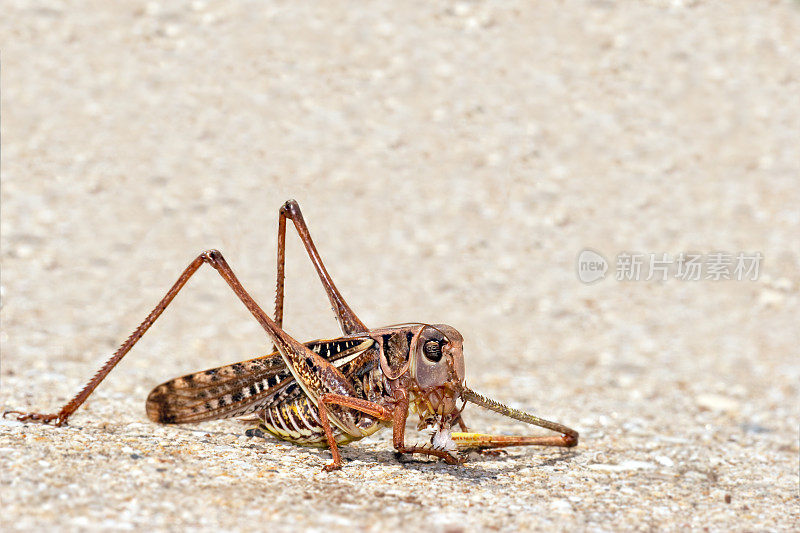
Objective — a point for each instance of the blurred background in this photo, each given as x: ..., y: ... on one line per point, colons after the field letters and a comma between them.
x: 452, y: 159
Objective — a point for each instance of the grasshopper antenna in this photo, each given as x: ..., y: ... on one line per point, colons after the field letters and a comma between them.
x: 570, y: 435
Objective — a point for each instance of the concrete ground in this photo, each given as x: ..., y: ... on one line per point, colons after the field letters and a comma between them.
x: 452, y: 161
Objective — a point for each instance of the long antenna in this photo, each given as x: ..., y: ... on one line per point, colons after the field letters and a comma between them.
x: 516, y: 414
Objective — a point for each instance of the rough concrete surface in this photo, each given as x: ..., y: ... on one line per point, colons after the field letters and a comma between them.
x: 452, y: 160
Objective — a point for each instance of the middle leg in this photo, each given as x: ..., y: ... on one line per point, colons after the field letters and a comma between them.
x: 365, y: 406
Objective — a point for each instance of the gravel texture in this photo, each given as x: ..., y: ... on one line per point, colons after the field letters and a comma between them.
x: 452, y: 160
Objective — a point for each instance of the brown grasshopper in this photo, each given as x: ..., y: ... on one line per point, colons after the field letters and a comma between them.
x: 331, y: 391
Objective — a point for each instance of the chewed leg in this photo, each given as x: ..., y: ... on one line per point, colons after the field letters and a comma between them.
x: 568, y: 438
x: 482, y: 441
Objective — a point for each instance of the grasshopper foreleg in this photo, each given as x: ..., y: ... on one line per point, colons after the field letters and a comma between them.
x: 399, y: 432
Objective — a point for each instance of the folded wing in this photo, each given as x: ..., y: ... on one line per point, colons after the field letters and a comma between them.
x: 237, y: 389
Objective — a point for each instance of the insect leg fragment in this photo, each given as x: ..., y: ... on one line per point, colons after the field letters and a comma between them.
x: 568, y: 438
x: 482, y: 441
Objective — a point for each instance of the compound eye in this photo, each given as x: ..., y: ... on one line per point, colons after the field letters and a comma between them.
x: 432, y: 351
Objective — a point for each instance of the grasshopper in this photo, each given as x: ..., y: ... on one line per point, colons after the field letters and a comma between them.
x: 327, y: 392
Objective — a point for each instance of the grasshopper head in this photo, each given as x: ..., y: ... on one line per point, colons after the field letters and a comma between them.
x: 437, y: 367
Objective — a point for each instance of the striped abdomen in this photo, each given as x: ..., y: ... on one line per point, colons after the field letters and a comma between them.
x: 297, y: 421
x: 292, y: 416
